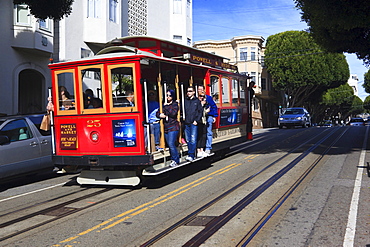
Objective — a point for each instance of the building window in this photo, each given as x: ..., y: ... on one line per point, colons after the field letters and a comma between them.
x: 189, y: 42
x: 243, y: 54
x: 253, y: 56
x: 113, y: 10
x: 253, y: 53
x: 177, y: 38
x: 44, y: 24
x: 93, y: 8
x: 22, y: 14
x: 85, y: 53
x: 177, y: 6
x: 188, y: 8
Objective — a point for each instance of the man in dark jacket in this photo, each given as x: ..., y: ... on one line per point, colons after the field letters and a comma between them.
x: 193, y: 115
x: 211, y: 118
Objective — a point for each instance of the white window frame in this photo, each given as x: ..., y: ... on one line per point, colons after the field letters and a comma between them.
x: 253, y: 56
x: 93, y: 9
x: 113, y: 10
x: 243, y: 51
x: 177, y: 7
x: 253, y: 53
x: 17, y: 9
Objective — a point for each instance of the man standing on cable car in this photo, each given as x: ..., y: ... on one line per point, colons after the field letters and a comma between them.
x: 211, y: 118
x: 193, y: 115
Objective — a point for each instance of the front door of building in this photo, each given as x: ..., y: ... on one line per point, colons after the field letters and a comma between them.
x: 30, y: 94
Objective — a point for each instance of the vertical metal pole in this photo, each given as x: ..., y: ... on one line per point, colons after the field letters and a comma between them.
x: 147, y: 124
x: 178, y: 113
x: 249, y: 123
x: 165, y: 91
x: 183, y: 101
x: 160, y: 98
x: 52, y: 130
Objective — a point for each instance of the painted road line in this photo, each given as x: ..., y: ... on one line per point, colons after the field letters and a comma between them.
x: 349, y: 238
x: 31, y: 192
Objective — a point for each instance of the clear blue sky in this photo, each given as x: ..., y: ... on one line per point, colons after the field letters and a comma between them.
x: 220, y: 19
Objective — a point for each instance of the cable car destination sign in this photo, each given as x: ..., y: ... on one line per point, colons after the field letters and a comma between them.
x: 209, y: 61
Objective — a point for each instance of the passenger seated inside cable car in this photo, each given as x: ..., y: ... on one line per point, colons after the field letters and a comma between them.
x: 128, y: 100
x: 90, y: 101
x: 66, y: 101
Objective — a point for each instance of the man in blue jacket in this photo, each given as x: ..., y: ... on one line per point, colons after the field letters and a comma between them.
x: 193, y: 115
x: 211, y: 118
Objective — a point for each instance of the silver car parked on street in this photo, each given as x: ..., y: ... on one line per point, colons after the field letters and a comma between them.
x: 24, y: 148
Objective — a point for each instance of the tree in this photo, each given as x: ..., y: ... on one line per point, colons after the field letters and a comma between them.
x: 43, y: 9
x: 357, y: 106
x: 299, y: 67
x: 339, y: 25
x: 366, y: 84
x: 337, y: 101
x: 367, y: 103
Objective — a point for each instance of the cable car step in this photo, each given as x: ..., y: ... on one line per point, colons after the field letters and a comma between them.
x: 162, y: 168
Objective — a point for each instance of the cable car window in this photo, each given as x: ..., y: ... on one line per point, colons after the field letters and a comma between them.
x: 215, y: 89
x: 92, y: 94
x: 122, y: 86
x: 234, y: 91
x: 242, y: 88
x: 225, y: 90
x: 66, y: 91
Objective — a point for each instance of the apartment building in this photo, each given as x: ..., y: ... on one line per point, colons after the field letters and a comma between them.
x: 29, y: 44
x: 247, y: 52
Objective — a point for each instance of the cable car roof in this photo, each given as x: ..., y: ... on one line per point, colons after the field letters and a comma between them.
x: 155, y: 47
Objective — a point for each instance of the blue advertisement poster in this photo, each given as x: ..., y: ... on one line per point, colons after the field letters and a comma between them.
x: 124, y: 133
x: 230, y: 117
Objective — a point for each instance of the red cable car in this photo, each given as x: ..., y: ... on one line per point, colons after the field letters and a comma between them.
x: 100, y: 119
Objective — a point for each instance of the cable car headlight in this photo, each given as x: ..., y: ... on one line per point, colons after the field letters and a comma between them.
x: 94, y: 136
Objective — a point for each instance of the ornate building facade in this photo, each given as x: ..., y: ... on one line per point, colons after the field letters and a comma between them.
x: 247, y: 52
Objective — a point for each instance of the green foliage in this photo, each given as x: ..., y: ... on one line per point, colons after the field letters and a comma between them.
x: 43, y: 9
x: 341, y: 96
x: 339, y: 25
x: 300, y: 68
x: 341, y: 101
x: 124, y: 83
x: 357, y: 106
x: 367, y: 103
x: 366, y: 84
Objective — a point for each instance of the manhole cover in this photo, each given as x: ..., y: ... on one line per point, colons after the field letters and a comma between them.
x: 201, y: 220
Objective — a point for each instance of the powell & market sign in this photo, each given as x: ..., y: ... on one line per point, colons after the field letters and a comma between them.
x: 210, y: 62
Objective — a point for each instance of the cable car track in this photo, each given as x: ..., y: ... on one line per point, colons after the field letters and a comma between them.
x: 63, y: 208
x: 286, y: 195
x: 214, y: 225
x: 59, y: 211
